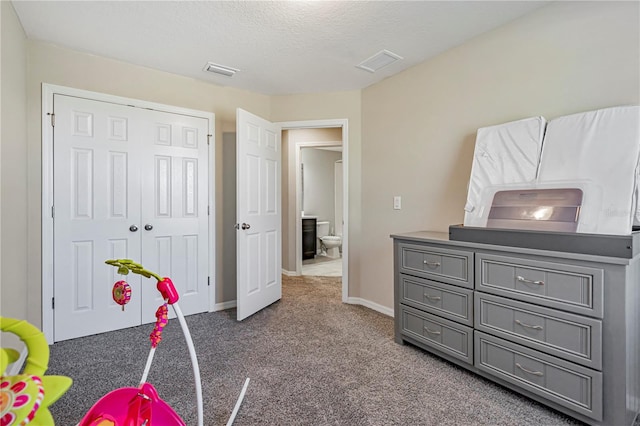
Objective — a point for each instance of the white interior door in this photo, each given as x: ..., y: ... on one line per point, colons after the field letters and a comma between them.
x: 259, y: 242
x: 174, y: 209
x: 128, y: 183
x: 96, y: 201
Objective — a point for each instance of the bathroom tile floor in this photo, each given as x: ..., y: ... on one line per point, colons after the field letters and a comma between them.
x: 322, y: 266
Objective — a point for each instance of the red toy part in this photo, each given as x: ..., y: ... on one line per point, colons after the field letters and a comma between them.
x: 162, y: 318
x: 132, y: 407
x: 168, y: 290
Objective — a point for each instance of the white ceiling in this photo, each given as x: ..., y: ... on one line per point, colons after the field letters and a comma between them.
x: 280, y: 47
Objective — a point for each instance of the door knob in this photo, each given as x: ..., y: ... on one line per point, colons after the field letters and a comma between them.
x: 133, y: 228
x: 148, y: 227
x: 246, y: 226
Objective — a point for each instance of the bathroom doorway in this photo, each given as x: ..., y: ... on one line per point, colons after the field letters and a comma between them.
x: 321, y: 205
x: 335, y: 136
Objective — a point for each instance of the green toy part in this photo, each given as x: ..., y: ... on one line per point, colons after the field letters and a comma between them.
x: 26, y: 397
x: 127, y: 265
x: 7, y: 356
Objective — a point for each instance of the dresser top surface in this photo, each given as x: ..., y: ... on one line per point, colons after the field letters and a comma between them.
x: 435, y: 237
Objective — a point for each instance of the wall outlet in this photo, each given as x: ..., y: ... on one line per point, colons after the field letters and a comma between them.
x: 397, y: 202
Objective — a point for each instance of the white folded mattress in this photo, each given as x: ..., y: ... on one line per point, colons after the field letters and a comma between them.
x: 602, y: 150
x: 504, y: 154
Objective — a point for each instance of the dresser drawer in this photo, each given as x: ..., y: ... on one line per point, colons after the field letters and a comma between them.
x: 449, y: 266
x: 446, y: 336
x: 572, y: 386
x: 445, y: 300
x: 568, y: 287
x: 572, y: 337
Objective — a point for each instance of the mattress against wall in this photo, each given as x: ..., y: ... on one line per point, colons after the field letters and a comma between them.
x: 600, y: 149
x: 505, y: 154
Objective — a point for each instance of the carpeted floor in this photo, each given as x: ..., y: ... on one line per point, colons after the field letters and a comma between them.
x: 311, y: 359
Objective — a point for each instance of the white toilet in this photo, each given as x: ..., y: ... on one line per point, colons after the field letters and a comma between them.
x: 332, y: 244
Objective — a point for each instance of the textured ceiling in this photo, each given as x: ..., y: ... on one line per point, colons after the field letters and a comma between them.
x: 279, y: 47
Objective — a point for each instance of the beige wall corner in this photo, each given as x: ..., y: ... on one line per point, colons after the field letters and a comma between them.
x: 419, y: 126
x: 324, y: 106
x: 13, y: 178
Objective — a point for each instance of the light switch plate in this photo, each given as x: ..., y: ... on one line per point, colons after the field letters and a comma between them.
x: 397, y: 202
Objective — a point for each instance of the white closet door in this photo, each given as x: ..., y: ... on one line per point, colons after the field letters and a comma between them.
x: 96, y: 200
x: 119, y: 170
x: 174, y: 193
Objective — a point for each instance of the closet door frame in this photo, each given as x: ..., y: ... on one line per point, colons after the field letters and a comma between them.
x: 48, y: 117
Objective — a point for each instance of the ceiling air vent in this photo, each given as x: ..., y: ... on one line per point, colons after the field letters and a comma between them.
x: 379, y: 60
x: 220, y: 69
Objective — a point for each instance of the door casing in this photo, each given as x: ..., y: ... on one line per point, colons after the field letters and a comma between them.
x: 48, y: 91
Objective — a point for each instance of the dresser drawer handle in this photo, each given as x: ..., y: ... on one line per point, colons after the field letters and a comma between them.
x: 535, y: 327
x: 535, y: 373
x: 431, y: 264
x: 524, y: 280
x: 436, y: 333
x: 434, y: 298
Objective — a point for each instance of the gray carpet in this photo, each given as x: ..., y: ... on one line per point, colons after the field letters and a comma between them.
x: 311, y: 359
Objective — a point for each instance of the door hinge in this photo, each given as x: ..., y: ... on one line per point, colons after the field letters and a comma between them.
x: 208, y: 281
x: 53, y: 119
x: 53, y: 303
x: 208, y: 212
x: 53, y: 212
x: 209, y: 139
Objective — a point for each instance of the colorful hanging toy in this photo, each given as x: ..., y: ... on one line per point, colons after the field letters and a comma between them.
x: 121, y: 293
x: 133, y: 406
x: 162, y: 318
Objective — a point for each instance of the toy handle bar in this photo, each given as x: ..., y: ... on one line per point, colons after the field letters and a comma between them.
x: 37, y: 361
x: 170, y: 294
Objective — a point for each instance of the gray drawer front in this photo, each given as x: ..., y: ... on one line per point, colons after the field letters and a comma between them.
x: 572, y: 337
x: 447, y: 301
x: 446, y: 336
x: 568, y: 287
x: 449, y: 266
x: 572, y: 386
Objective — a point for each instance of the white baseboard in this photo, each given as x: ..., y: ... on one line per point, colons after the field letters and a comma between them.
x: 16, y: 367
x: 290, y: 273
x: 224, y: 305
x: 371, y: 305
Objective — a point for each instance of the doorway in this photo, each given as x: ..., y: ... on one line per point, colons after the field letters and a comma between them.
x: 321, y: 189
x: 293, y: 216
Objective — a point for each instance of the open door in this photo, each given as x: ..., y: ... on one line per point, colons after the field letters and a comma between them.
x: 258, y: 217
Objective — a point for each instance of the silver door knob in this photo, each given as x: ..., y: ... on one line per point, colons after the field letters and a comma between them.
x: 246, y: 226
x: 133, y: 228
x: 148, y: 227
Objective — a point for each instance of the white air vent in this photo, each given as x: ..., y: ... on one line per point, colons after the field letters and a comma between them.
x: 220, y: 69
x: 379, y: 60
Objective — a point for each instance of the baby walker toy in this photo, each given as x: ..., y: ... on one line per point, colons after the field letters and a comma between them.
x: 142, y: 406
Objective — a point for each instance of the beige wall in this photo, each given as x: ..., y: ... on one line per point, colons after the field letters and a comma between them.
x: 227, y: 255
x: 55, y: 65
x: 419, y: 126
x: 325, y: 106
x: 13, y: 177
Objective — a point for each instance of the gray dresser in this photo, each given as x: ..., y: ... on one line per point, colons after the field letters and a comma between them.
x: 559, y: 327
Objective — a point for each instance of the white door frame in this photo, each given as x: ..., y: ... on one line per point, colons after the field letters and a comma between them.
x: 314, y: 124
x: 48, y: 91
